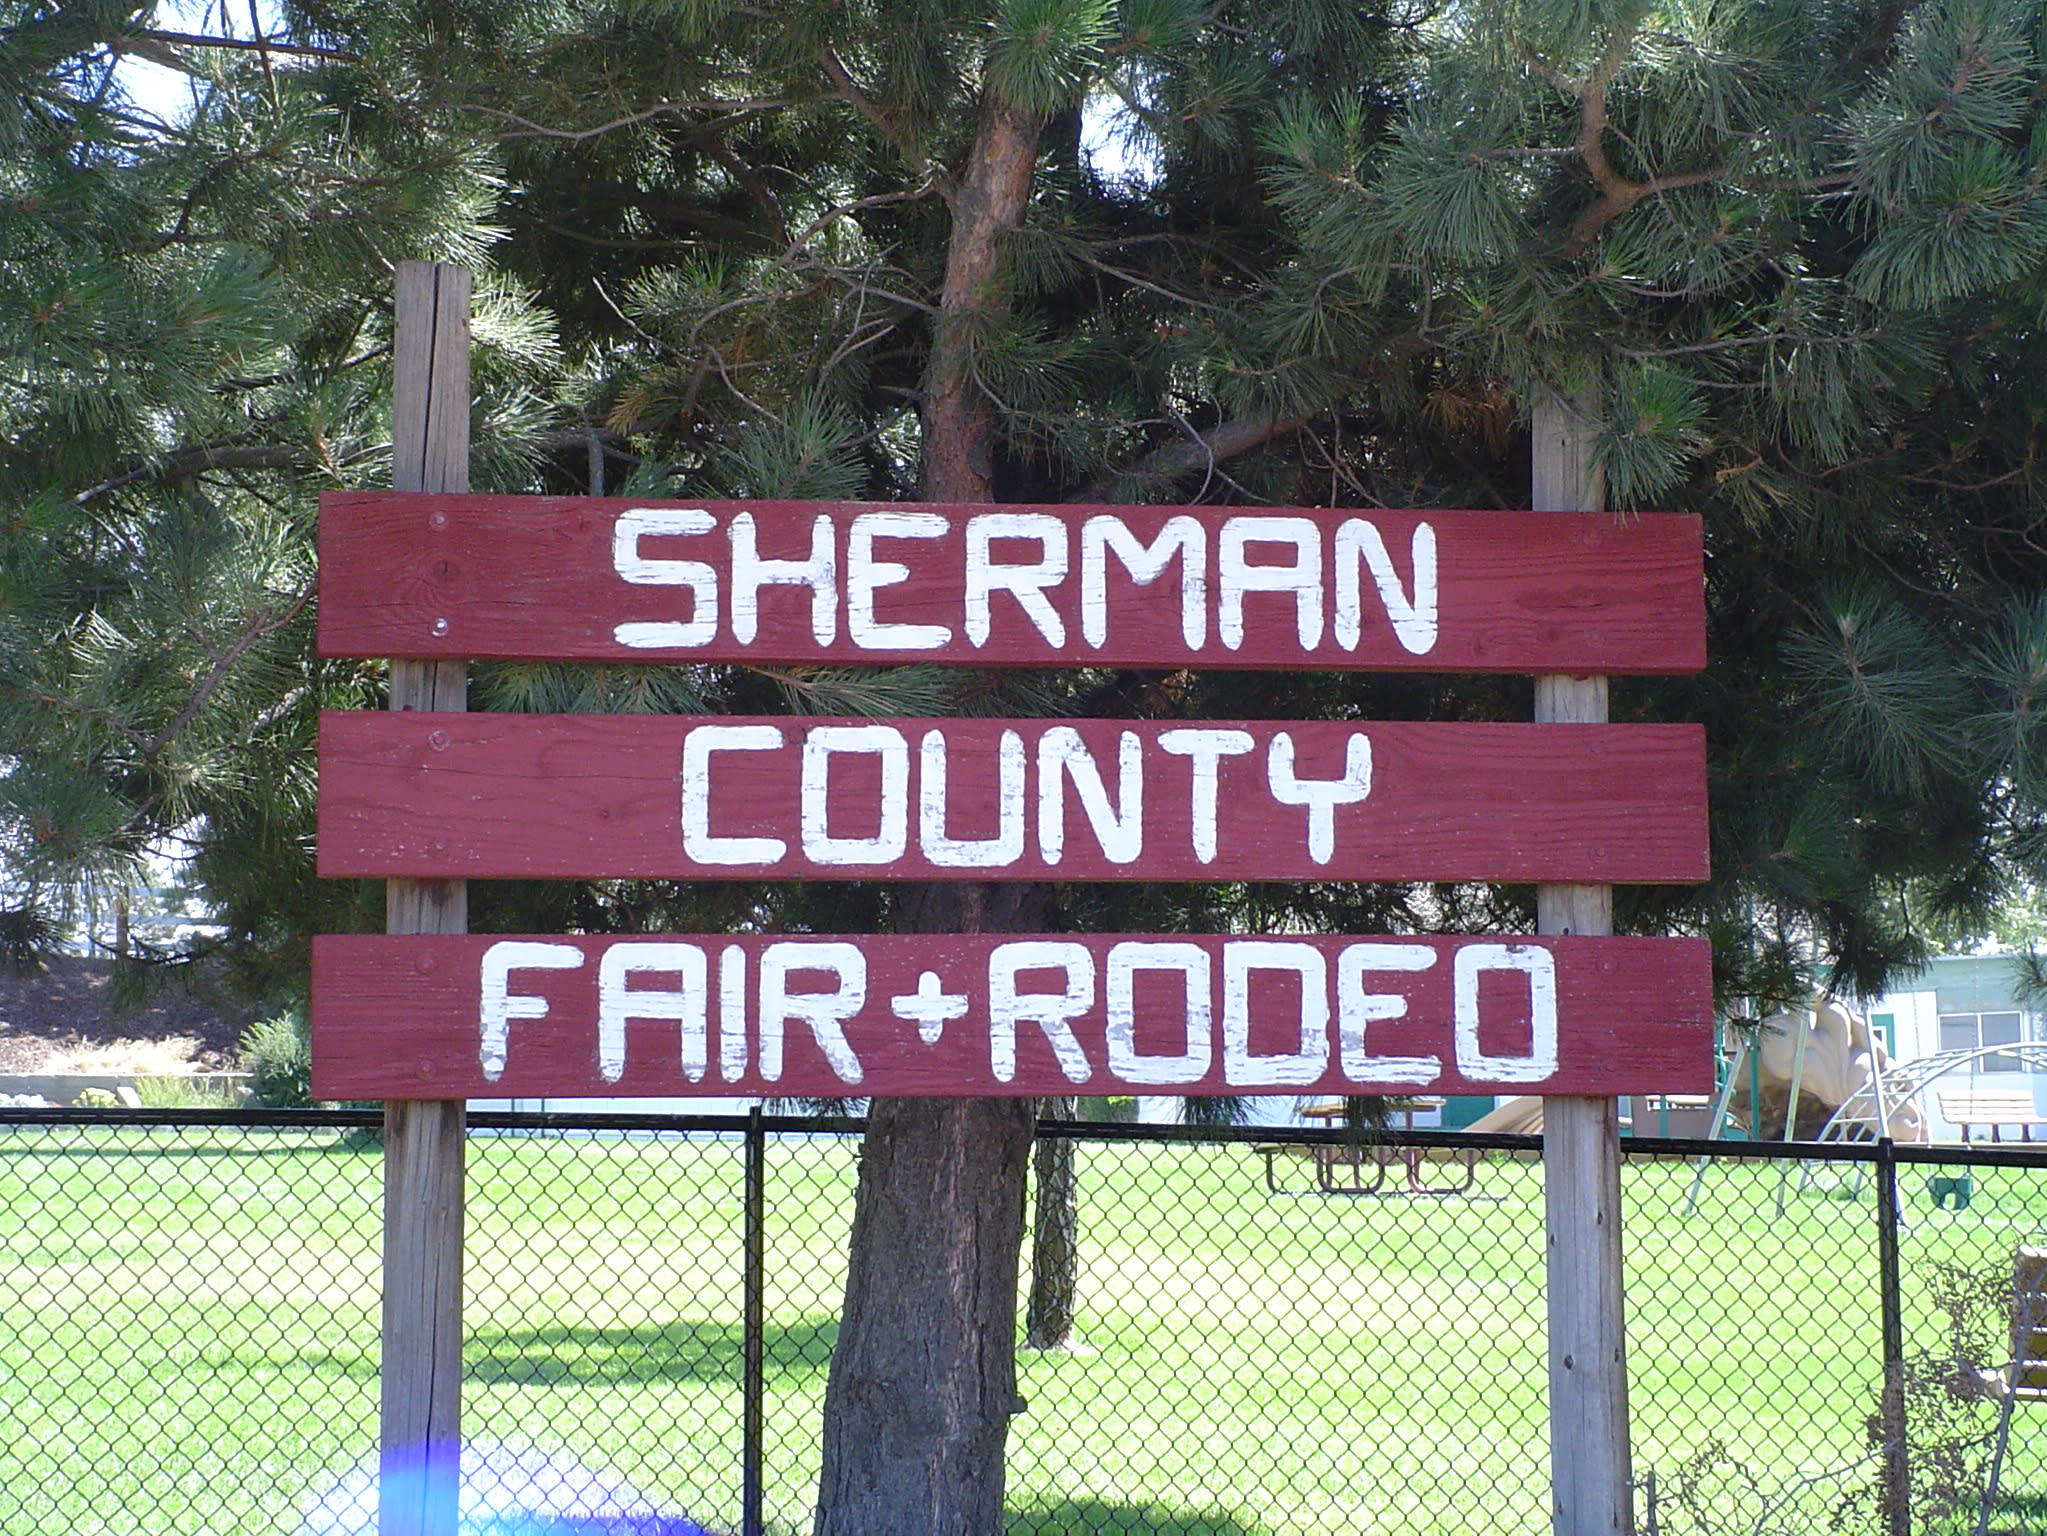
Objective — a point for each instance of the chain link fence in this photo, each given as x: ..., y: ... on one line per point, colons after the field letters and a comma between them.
x: 1274, y: 1334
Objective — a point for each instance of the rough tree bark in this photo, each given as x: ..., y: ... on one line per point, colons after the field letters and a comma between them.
x: 923, y: 1380
x: 1055, y: 1238
x: 989, y: 201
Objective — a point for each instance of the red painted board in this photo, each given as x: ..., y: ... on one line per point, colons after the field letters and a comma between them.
x: 813, y: 1015
x: 588, y: 579
x: 598, y: 796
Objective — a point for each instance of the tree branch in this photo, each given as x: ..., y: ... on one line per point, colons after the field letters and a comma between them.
x: 1544, y: 69
x: 533, y: 130
x: 1089, y: 259
x: 1199, y: 451
x: 990, y: 201
x: 172, y: 41
x: 264, y: 381
x: 265, y: 622
x: 847, y: 89
x: 192, y: 461
x: 103, y: 717
x: 764, y: 200
x: 1617, y: 193
x: 854, y: 205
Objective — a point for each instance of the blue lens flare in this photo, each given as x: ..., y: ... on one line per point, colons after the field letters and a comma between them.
x: 505, y: 1491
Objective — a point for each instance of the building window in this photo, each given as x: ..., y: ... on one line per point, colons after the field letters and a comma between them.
x: 1980, y: 1031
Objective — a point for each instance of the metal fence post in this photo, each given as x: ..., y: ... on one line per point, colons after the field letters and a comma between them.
x: 1897, y: 1496
x: 753, y: 1364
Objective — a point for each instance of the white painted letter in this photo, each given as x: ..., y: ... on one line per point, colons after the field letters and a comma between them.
x: 1540, y: 967
x: 1320, y: 796
x: 1303, y: 577
x: 1183, y: 536
x: 697, y: 749
x: 1050, y: 1011
x: 1006, y: 846
x: 1356, y: 1009
x: 750, y: 573
x: 636, y: 523
x: 688, y: 1004
x: 893, y: 836
x: 1414, y: 618
x: 1191, y: 961
x: 1026, y: 583
x: 866, y: 575
x: 1206, y: 748
x: 1062, y: 755
x: 732, y: 1013
x: 500, y: 1005
x: 824, y: 1012
x: 1292, y: 1069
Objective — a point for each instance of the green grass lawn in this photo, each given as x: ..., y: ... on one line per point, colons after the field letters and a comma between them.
x: 188, y: 1336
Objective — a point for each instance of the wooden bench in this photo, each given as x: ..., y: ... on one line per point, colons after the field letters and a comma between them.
x: 1994, y: 1107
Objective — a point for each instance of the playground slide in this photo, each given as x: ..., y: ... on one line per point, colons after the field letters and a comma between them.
x: 1520, y: 1116
x: 1840, y: 1054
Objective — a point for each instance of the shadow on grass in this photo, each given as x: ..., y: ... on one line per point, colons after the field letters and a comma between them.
x: 1093, y: 1517
x: 2015, y: 1514
x: 681, y: 1351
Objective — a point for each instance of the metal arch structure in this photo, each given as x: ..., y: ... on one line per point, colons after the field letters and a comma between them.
x: 1865, y: 1113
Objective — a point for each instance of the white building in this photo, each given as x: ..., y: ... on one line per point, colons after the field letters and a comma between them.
x: 1965, y: 1003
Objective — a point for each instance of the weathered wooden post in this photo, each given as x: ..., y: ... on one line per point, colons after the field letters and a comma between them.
x: 420, y: 1423
x: 1590, y: 1463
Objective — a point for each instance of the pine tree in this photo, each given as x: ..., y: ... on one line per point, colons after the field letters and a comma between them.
x: 195, y: 319
x: 859, y: 251
x: 1800, y: 249
x: 938, y: 301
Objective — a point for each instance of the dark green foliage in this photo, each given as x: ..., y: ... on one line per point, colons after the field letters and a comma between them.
x: 1803, y: 257
x: 25, y: 934
x: 195, y: 317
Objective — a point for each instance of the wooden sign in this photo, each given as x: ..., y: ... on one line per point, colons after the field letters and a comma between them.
x: 607, y: 796
x: 588, y: 579
x: 829, y: 1016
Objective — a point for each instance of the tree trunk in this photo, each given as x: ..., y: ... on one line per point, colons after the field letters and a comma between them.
x: 959, y: 424
x: 923, y: 1380
x: 1055, y: 1238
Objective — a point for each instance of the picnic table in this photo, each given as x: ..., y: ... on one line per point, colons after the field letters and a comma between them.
x: 1360, y: 1167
